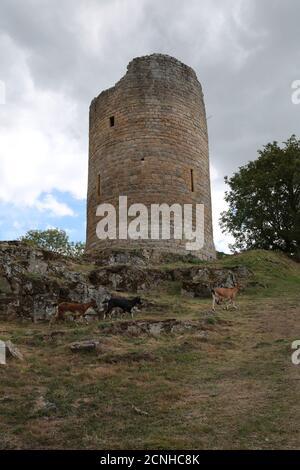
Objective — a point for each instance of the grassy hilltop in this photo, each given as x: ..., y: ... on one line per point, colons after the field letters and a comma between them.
x: 229, y: 385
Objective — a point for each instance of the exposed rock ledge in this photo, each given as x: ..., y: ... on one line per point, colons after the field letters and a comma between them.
x: 33, y: 281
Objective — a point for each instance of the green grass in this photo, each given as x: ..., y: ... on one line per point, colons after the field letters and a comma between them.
x: 235, y: 387
x: 272, y: 271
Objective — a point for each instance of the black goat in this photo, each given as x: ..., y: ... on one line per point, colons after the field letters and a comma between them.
x: 124, y: 304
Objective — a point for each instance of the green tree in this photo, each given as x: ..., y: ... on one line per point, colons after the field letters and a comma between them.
x: 54, y: 240
x: 264, y: 200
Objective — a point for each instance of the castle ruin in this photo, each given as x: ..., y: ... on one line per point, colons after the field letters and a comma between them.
x: 148, y: 140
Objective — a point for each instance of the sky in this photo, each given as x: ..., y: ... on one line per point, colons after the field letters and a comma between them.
x: 57, y: 55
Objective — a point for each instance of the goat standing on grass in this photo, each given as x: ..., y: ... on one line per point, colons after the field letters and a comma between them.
x: 228, y: 294
x: 77, y: 309
x: 124, y: 304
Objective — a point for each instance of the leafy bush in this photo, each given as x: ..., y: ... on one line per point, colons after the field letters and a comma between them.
x: 54, y: 240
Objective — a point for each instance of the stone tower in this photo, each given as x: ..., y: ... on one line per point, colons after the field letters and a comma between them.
x: 148, y: 141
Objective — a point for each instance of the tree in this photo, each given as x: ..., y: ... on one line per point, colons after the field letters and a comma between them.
x: 264, y: 200
x: 54, y: 240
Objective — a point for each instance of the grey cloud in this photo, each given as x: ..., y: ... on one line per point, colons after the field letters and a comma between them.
x: 246, y: 55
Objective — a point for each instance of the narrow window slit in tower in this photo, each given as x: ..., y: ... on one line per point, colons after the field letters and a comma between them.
x: 192, y: 181
x: 98, y: 185
x: 112, y: 121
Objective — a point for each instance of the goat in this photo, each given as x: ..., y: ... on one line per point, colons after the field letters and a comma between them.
x: 124, y: 304
x: 76, y: 308
x: 225, y: 293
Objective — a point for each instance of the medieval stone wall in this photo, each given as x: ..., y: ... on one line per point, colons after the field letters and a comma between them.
x: 148, y: 140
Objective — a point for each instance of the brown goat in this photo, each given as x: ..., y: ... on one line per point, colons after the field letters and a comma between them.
x: 77, y: 309
x: 228, y: 294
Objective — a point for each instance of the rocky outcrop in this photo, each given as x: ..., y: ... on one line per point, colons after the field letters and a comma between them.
x: 151, y: 327
x: 13, y: 351
x: 142, y: 258
x: 33, y: 281
x: 87, y: 345
x: 202, y: 280
x: 196, y: 281
x: 121, y: 277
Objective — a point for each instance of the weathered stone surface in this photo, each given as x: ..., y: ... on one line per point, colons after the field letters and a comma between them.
x: 139, y: 257
x: 87, y: 345
x: 91, y: 315
x: 202, y: 280
x: 151, y: 327
x: 155, y: 329
x: 122, y: 277
x: 196, y: 280
x: 33, y: 281
x: 12, y: 350
x: 139, y: 411
x: 157, y: 150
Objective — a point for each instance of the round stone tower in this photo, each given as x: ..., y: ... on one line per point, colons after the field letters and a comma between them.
x: 148, y: 141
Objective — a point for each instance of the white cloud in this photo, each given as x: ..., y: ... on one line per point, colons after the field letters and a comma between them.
x: 39, y: 148
x: 214, y: 174
x: 49, y: 203
x: 222, y: 241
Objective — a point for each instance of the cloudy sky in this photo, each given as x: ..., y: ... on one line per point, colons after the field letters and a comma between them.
x: 56, y: 55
